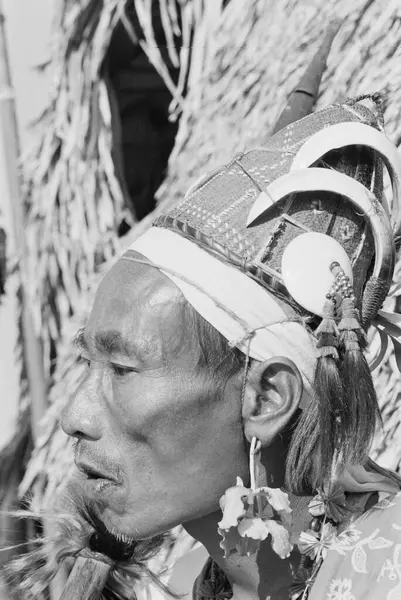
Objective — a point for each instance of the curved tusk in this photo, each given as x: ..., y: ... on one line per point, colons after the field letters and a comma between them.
x: 351, y: 134
x: 317, y: 179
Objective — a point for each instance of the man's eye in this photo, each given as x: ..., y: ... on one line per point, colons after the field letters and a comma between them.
x: 120, y: 371
x: 84, y: 360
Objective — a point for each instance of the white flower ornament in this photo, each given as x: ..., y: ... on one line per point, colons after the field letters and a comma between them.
x: 250, y: 516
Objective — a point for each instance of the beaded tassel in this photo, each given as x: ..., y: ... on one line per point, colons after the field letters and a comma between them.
x: 351, y: 331
x: 327, y: 332
x: 352, y: 335
x: 360, y: 408
x: 327, y: 342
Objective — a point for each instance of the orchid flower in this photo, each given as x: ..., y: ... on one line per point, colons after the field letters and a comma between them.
x: 252, y: 516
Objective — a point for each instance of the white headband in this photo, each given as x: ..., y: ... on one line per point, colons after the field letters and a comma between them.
x: 239, y: 308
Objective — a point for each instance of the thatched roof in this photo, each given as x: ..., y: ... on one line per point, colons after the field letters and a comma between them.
x: 74, y: 207
x: 245, y: 59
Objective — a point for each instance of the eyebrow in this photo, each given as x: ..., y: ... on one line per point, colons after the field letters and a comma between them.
x: 109, y: 342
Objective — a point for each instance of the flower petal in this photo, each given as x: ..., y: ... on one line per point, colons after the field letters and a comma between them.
x: 253, y: 528
x: 280, y: 539
x: 230, y: 540
x: 277, y: 499
x: 330, y: 501
x: 309, y: 543
x: 316, y: 506
x: 233, y: 505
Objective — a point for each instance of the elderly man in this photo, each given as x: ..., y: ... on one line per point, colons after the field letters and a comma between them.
x: 228, y: 387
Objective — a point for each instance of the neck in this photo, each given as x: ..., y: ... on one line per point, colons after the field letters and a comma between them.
x: 262, y: 575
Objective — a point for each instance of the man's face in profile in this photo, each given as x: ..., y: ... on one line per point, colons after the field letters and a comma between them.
x: 160, y: 437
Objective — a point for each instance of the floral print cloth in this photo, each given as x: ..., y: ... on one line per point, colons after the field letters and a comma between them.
x: 363, y: 562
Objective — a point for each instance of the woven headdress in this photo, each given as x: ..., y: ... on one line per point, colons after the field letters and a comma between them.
x: 250, y: 210
x: 306, y: 218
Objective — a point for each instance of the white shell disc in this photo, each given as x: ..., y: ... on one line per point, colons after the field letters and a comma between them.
x: 305, y: 268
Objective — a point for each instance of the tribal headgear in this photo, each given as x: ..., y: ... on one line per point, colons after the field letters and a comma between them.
x: 289, y: 250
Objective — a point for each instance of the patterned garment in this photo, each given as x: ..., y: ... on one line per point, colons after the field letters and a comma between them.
x: 363, y: 563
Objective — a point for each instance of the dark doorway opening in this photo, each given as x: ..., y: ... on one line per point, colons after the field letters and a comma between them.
x: 143, y: 133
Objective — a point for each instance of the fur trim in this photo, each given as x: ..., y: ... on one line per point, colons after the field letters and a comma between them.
x: 76, y: 532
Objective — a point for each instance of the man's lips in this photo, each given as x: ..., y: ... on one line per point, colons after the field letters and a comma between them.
x: 93, y: 472
x: 102, y: 483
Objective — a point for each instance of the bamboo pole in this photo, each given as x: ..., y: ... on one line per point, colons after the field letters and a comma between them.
x: 9, y: 139
x: 87, y: 580
x: 12, y: 201
x: 302, y: 99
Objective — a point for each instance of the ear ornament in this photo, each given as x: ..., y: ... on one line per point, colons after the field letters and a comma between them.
x: 252, y: 515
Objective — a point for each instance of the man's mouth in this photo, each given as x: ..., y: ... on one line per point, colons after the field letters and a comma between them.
x: 102, y: 483
x: 94, y: 474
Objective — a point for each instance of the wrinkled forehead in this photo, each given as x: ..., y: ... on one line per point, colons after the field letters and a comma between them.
x: 138, y: 302
x: 128, y: 285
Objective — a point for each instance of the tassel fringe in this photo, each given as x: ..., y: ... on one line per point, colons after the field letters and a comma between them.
x: 343, y: 384
x: 327, y: 332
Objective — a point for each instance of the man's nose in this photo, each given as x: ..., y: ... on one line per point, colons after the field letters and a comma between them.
x: 82, y: 416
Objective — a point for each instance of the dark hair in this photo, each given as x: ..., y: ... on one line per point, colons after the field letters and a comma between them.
x: 214, y: 350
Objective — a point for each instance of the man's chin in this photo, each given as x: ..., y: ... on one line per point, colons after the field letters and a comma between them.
x: 106, y: 506
x: 112, y: 536
x: 129, y: 524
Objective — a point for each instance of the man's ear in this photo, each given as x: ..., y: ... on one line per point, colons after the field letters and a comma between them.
x: 272, y: 395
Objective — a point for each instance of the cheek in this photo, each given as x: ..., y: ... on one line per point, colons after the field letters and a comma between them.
x: 179, y: 417
x: 181, y: 444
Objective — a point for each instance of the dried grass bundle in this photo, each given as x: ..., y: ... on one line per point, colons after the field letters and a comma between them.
x: 72, y: 193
